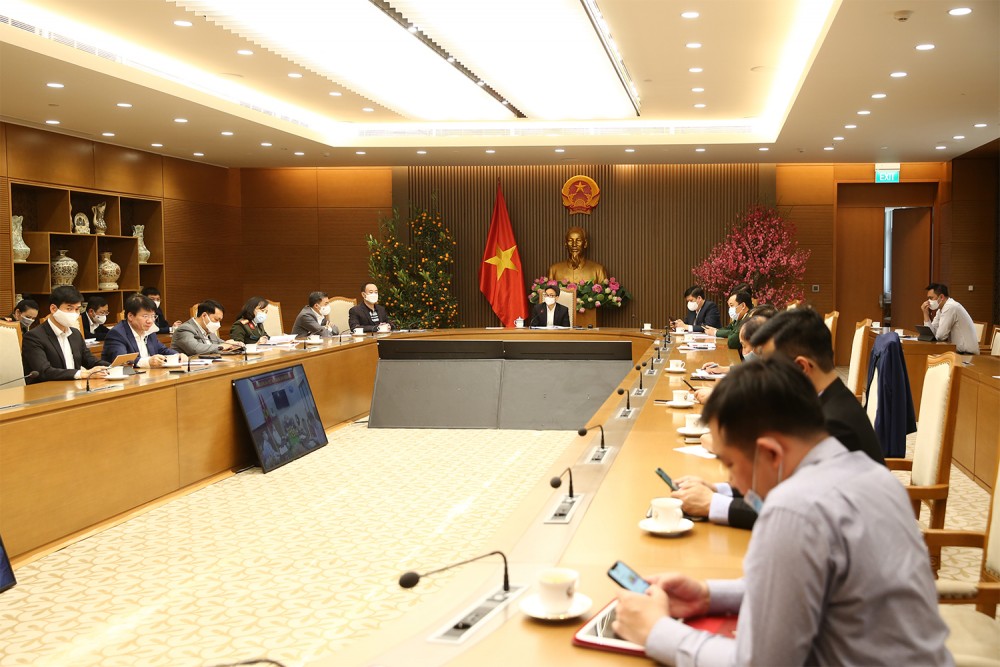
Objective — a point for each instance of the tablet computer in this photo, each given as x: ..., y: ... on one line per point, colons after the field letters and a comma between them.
x: 125, y: 359
x: 923, y: 333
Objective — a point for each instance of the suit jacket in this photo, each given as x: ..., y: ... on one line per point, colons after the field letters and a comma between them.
x: 162, y: 326
x: 539, y: 318
x: 307, y: 324
x: 360, y: 316
x: 100, y: 332
x: 741, y: 515
x: 895, y: 417
x: 190, y: 339
x: 40, y: 352
x: 121, y: 341
x: 847, y: 421
x: 707, y: 316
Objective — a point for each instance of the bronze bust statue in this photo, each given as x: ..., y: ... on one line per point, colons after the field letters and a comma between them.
x: 578, y: 268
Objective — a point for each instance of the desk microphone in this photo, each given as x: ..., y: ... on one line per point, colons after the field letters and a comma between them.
x: 30, y: 376
x: 639, y: 368
x: 556, y: 482
x: 410, y: 579
x: 583, y: 431
x: 88, y: 376
x: 628, y: 401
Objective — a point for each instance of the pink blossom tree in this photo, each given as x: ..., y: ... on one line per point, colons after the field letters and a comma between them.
x: 760, y: 249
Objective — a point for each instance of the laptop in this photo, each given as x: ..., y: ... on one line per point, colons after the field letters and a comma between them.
x: 924, y: 333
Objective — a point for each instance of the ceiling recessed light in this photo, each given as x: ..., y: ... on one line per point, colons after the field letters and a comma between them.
x: 695, y: 70
x: 157, y: 145
x: 979, y: 125
x: 850, y: 127
x: 924, y: 47
x: 336, y: 93
x: 878, y: 96
x: 838, y: 138
x: 294, y: 75
x: 763, y: 148
x: 629, y: 150
x: 864, y: 112
x: 367, y: 109
x: 451, y: 59
x: 699, y: 106
x: 299, y: 153
x: 828, y: 148
x: 198, y: 154
x: 124, y: 105
x: 505, y: 103
x: 480, y: 83
x: 360, y: 153
x: 960, y: 11
x: 183, y: 24
x: 51, y: 122
x: 107, y: 134
x: 421, y: 152
x: 265, y: 144
x: 898, y: 75
x: 55, y: 85
x: 959, y: 137
x: 697, y: 90
x: 245, y: 52
x: 940, y: 148
x: 699, y: 150
x: 490, y: 151
x: 560, y: 150
x: 180, y: 120
x: 690, y: 15
x: 693, y: 45
x: 226, y: 133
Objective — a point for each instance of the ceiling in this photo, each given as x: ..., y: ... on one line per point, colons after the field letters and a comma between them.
x: 947, y: 90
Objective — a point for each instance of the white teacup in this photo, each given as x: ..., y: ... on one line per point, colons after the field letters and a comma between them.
x: 692, y: 421
x: 556, y: 588
x: 116, y: 372
x: 899, y: 332
x: 519, y: 323
x: 677, y: 365
x: 358, y: 331
x: 680, y: 395
x: 647, y: 326
x: 315, y: 338
x: 667, y: 512
x: 173, y: 360
x: 251, y: 347
x: 383, y: 327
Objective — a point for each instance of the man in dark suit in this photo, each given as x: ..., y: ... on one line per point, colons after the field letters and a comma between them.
x: 549, y: 313
x: 369, y: 315
x: 137, y: 334
x: 701, y: 313
x: 56, y: 349
x: 93, y: 320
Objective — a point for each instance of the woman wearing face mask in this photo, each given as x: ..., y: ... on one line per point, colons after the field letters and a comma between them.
x: 249, y: 324
x: 25, y: 312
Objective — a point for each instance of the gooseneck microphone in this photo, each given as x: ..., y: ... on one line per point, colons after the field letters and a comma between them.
x: 410, y: 579
x: 628, y: 401
x: 639, y: 368
x: 556, y: 482
x: 583, y: 431
x: 30, y: 376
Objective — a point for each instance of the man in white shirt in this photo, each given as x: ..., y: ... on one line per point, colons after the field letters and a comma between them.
x: 137, y: 334
x: 951, y: 322
x: 56, y: 349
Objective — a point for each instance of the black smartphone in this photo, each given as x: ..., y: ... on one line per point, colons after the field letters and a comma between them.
x: 666, y: 478
x: 627, y: 578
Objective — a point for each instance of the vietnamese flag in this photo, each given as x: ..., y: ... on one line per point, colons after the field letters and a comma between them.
x: 500, y: 277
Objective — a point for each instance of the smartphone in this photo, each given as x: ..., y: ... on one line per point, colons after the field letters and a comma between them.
x: 666, y: 478
x: 627, y: 578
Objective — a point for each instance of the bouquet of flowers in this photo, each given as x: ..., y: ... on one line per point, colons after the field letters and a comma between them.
x: 589, y: 294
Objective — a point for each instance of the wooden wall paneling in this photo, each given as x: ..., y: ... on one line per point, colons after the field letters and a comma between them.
x: 3, y: 149
x: 6, y: 248
x: 278, y: 188
x: 887, y: 194
x: 266, y: 227
x: 128, y: 171
x: 805, y: 184
x: 922, y: 171
x: 356, y: 188
x: 203, y: 183
x: 343, y: 249
x: 654, y: 222
x: 860, y: 172
x: 47, y: 157
x: 860, y: 242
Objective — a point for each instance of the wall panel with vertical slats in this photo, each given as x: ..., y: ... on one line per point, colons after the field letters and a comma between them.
x: 653, y: 224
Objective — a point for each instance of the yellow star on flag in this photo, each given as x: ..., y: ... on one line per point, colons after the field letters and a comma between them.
x: 502, y: 260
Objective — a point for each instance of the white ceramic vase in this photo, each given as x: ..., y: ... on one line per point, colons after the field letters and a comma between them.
x: 99, y: 225
x: 21, y: 249
x: 80, y: 224
x: 64, y: 269
x: 107, y: 273
x: 137, y: 231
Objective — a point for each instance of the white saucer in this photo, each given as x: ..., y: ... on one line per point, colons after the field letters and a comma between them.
x: 118, y: 378
x: 653, y: 527
x: 532, y: 606
x: 680, y: 404
x: 676, y: 370
x: 692, y: 432
x: 314, y: 342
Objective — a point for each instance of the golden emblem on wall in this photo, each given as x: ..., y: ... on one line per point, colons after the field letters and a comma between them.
x: 580, y: 194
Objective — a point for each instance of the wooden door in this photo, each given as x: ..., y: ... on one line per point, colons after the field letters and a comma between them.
x: 911, y: 264
x: 860, y: 239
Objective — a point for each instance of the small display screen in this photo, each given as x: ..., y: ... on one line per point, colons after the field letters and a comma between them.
x: 6, y: 571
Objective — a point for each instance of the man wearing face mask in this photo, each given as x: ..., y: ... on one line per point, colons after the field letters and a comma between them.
x: 56, y: 349
x: 548, y: 313
x: 816, y: 588
x: 162, y: 326
x: 137, y: 333
x: 199, y: 335
x: 951, y: 322
x: 740, y: 304
x: 369, y: 315
x: 701, y: 313
x: 95, y: 317
x: 314, y: 319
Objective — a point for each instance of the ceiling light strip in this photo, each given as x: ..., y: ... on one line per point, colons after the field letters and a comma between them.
x: 422, y: 36
x: 604, y: 33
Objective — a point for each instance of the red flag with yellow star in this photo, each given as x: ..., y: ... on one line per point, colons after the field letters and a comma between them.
x: 500, y: 277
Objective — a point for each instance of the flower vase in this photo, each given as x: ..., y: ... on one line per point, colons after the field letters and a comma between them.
x: 107, y: 273
x: 21, y: 249
x: 64, y: 269
x: 99, y: 225
x: 137, y: 231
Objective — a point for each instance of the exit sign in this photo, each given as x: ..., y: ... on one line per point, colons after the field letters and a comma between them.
x: 887, y: 172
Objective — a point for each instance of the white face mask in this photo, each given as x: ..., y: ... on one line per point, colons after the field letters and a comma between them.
x: 152, y: 328
x: 692, y: 306
x: 732, y: 312
x: 372, y: 298
x: 156, y: 302
x: 65, y: 318
x: 27, y: 321
x: 260, y: 317
x: 550, y: 301
x: 324, y: 311
x: 212, y: 326
x: 933, y: 304
x: 100, y: 319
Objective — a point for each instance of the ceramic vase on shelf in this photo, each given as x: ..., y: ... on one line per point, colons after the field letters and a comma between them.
x: 21, y: 249
x: 137, y: 231
x: 80, y: 224
x: 107, y: 273
x: 64, y: 269
x: 99, y: 225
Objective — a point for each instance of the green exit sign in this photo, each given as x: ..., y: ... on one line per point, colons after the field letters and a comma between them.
x: 887, y: 172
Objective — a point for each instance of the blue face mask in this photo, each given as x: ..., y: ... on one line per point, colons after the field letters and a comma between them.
x: 260, y: 317
x: 749, y: 355
x: 751, y: 497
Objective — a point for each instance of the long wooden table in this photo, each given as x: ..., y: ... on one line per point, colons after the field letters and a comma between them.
x: 977, y: 429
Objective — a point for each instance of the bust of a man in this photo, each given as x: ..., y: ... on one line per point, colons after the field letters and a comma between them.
x: 578, y: 268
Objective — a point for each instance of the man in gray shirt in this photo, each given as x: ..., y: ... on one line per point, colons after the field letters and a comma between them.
x: 837, y: 572
x: 199, y: 334
x: 313, y: 320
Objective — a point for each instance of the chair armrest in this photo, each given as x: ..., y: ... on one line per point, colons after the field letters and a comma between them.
x: 940, y: 537
x: 989, y: 591
x: 899, y: 464
x: 930, y: 492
